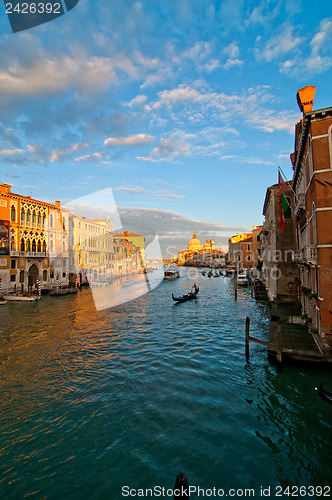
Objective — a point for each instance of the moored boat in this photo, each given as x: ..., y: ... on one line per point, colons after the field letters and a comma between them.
x: 324, y: 394
x: 171, y: 275
x: 2, y: 301
x: 21, y: 296
x: 188, y: 296
x: 242, y: 278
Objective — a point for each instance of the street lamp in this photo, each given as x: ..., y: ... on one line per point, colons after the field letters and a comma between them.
x: 290, y: 285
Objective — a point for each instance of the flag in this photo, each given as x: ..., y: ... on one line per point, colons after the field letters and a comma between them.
x: 283, y: 204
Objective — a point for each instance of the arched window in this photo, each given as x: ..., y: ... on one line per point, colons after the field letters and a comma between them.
x: 22, y: 215
x: 33, y: 245
x: 51, y: 220
x: 38, y: 218
x: 28, y: 216
x: 39, y: 246
x: 28, y: 246
x: 22, y: 245
x: 12, y: 243
x: 33, y: 217
x: 44, y: 246
x: 13, y: 214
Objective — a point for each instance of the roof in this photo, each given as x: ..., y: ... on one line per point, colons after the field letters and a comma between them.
x: 307, y: 117
x: 27, y: 198
x: 125, y: 234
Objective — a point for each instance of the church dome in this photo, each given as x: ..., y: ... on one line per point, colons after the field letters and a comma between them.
x: 207, y: 244
x: 194, y: 243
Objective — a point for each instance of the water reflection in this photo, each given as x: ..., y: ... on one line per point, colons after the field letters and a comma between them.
x: 138, y: 392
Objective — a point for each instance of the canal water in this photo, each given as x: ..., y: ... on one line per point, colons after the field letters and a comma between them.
x: 130, y: 396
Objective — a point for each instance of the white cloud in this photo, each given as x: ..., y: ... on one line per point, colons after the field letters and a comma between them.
x: 138, y: 101
x: 169, y: 149
x: 11, y: 152
x: 93, y: 156
x: 252, y: 107
x: 49, y: 76
x: 59, y: 154
x: 233, y: 52
x: 132, y: 140
x: 278, y: 45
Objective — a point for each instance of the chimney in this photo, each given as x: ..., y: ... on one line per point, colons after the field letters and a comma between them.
x: 305, y: 98
x: 57, y: 204
x: 5, y: 188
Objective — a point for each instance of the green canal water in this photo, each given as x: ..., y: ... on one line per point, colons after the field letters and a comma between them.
x: 130, y: 396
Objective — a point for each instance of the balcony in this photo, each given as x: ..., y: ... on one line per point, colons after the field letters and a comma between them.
x: 298, y: 256
x: 312, y: 254
x: 300, y: 206
x: 307, y: 255
x: 20, y: 253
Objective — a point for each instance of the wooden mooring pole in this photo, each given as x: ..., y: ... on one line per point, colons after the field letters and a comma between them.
x: 276, y: 348
x: 247, y: 336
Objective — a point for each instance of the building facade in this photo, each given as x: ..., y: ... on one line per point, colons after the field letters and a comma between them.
x: 199, y: 255
x: 240, y: 251
x: 278, y: 242
x: 91, y: 249
x: 312, y: 184
x: 36, y: 242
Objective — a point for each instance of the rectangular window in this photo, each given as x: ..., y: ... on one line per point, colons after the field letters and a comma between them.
x: 13, y: 264
x: 63, y: 275
x: 13, y: 277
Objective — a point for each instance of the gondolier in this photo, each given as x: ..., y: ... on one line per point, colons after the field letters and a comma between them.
x: 188, y: 296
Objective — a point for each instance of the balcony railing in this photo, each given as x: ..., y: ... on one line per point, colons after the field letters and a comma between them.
x: 307, y: 255
x: 312, y: 254
x: 300, y: 206
x: 20, y: 253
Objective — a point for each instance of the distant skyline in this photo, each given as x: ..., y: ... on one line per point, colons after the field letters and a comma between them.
x: 183, y: 108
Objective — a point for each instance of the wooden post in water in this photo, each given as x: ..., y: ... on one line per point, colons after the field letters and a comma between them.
x: 247, y: 336
x: 279, y: 349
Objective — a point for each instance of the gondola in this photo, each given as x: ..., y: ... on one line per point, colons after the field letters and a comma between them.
x: 327, y: 396
x: 187, y: 296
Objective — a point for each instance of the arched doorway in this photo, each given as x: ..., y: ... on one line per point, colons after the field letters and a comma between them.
x: 32, y: 275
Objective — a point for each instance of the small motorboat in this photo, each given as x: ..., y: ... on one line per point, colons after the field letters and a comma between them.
x: 188, y: 296
x: 242, y: 278
x: 171, y: 275
x: 2, y: 301
x: 21, y: 296
x: 326, y: 395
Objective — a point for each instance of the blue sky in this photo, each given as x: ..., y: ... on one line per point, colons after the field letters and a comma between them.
x: 184, y: 108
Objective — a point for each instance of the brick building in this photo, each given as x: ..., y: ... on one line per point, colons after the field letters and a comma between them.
x: 312, y: 183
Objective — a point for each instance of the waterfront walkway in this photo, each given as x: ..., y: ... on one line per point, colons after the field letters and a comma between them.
x: 297, y: 342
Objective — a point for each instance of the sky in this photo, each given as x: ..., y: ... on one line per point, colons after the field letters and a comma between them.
x: 183, y: 108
